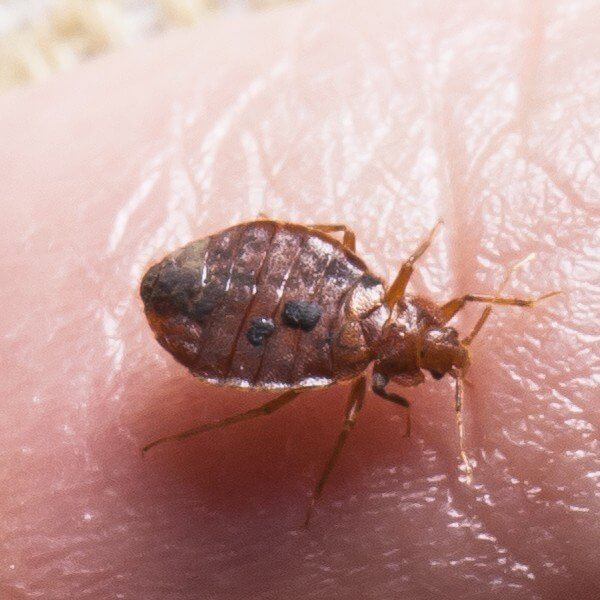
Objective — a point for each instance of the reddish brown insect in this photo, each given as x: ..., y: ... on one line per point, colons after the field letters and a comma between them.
x: 274, y: 305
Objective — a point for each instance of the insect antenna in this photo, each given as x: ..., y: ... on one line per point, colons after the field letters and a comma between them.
x: 458, y: 398
x: 487, y: 311
x: 498, y: 299
x: 460, y: 375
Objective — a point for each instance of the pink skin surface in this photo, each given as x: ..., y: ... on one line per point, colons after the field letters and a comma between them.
x: 384, y: 116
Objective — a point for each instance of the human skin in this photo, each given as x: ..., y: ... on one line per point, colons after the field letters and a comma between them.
x: 383, y: 116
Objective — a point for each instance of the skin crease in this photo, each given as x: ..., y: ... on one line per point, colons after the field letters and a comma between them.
x: 385, y: 120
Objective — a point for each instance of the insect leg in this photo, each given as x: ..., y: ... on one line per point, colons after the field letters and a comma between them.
x: 398, y: 287
x: 459, y: 424
x: 355, y: 402
x: 265, y: 409
x: 453, y: 306
x: 528, y: 302
x: 378, y: 384
x: 349, y: 239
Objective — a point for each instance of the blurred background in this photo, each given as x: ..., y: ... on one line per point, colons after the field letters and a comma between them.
x: 41, y: 37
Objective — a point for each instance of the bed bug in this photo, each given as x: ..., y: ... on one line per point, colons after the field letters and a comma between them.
x: 272, y: 305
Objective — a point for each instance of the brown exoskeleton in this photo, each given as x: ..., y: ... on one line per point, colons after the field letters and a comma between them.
x: 280, y: 306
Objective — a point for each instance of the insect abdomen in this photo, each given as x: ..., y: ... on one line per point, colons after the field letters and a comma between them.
x: 257, y: 305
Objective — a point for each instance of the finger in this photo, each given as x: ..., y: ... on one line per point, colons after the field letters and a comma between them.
x: 383, y: 122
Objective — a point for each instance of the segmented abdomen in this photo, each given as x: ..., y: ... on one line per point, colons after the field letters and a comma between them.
x: 256, y: 305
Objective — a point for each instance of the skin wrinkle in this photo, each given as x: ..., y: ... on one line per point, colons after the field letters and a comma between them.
x: 488, y: 515
x: 534, y: 22
x: 202, y: 518
x: 561, y: 183
x: 458, y: 187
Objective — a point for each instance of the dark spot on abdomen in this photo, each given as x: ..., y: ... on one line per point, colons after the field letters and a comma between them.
x: 166, y: 288
x: 369, y: 281
x: 148, y: 283
x: 260, y: 328
x: 338, y: 270
x: 301, y: 314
